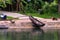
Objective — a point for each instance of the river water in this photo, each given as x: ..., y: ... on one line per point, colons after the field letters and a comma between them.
x: 29, y: 35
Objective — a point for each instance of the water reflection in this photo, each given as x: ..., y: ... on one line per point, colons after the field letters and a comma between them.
x: 28, y: 35
x: 38, y: 30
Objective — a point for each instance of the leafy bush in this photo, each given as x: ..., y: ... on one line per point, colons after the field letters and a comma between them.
x: 46, y: 7
x: 50, y: 7
x: 4, y: 2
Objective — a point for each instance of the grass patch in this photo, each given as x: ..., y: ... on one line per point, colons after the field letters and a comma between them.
x: 9, y: 17
x: 46, y: 15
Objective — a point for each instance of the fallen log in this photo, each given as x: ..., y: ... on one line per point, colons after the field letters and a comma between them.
x: 36, y: 23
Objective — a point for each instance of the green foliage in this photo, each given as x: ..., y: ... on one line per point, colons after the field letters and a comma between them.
x: 34, y: 5
x: 50, y: 7
x: 8, y: 1
x: 4, y: 2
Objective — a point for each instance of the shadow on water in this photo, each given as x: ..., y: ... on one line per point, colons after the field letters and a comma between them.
x: 29, y: 35
x: 36, y: 29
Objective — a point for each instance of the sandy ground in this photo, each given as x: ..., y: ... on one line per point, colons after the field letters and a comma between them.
x: 24, y: 22
x: 27, y: 24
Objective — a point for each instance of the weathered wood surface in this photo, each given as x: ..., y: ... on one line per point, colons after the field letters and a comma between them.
x: 36, y: 22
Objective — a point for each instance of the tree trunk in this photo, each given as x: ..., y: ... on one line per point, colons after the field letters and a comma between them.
x: 17, y: 5
x: 11, y: 7
x: 58, y: 6
x: 21, y: 7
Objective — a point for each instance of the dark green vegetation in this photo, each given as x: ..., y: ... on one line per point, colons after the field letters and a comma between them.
x: 4, y: 2
x: 29, y: 36
x: 49, y: 6
x: 45, y: 8
x: 33, y: 6
x: 40, y: 8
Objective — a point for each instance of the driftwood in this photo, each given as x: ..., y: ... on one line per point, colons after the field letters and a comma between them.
x: 12, y: 21
x: 36, y: 22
